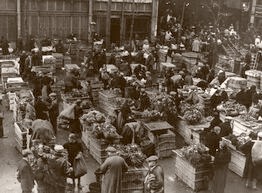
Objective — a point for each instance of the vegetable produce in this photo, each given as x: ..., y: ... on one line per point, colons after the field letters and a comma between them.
x: 196, y: 154
x: 238, y: 140
x: 93, y: 117
x: 104, y: 130
x: 193, y: 116
x: 232, y: 108
x: 132, y: 154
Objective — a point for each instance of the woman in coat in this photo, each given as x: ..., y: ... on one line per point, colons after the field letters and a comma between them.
x: 222, y: 158
x: 112, y: 169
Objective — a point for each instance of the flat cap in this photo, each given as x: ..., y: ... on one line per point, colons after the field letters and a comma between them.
x: 111, y: 149
x: 259, y: 134
x: 152, y: 158
x: 58, y: 148
x: 52, y: 94
x: 26, y: 152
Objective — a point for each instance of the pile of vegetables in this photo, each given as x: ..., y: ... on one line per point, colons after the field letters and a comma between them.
x: 247, y: 118
x: 193, y: 116
x: 104, y: 131
x: 196, y: 154
x: 132, y: 154
x: 184, y: 107
x: 150, y: 115
x: 232, y: 108
x: 238, y: 140
x: 93, y: 117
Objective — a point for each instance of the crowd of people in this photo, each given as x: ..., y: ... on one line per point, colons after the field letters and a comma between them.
x: 50, y: 166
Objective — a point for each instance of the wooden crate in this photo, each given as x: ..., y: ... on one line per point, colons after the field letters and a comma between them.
x: 195, y: 177
x: 238, y: 162
x: 20, y: 137
x: 165, y: 143
x: 97, y: 149
x: 191, y: 133
x: 133, y: 180
x: 86, y: 138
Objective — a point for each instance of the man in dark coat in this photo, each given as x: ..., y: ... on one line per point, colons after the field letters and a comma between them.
x: 25, y: 174
x: 144, y: 100
x: 112, y: 169
x: 74, y: 149
x: 226, y: 128
x: 212, y: 140
x: 221, y: 161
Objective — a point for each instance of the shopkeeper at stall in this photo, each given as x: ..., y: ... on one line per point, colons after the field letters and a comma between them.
x: 144, y: 100
x: 71, y: 81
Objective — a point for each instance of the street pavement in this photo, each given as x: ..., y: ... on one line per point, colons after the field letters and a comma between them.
x: 9, y: 158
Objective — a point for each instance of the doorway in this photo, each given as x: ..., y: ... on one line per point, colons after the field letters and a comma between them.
x: 115, y: 30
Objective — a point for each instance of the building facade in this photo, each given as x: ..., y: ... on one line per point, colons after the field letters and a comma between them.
x: 59, y: 18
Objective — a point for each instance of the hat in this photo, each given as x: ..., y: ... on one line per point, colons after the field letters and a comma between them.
x: 72, y: 136
x: 111, y: 149
x: 78, y: 101
x: 152, y: 158
x: 58, y: 148
x: 52, y: 94
x: 26, y: 152
x: 228, y: 118
x: 143, y: 90
x: 259, y: 134
x: 172, y: 93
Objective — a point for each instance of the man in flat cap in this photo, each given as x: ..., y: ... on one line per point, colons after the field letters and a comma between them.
x: 112, y: 170
x: 154, y: 181
x: 24, y: 172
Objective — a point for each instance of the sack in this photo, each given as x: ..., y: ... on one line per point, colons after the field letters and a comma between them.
x: 256, y: 152
x: 69, y: 112
x: 80, y: 167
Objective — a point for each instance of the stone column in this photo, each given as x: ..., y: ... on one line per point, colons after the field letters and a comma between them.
x: 155, y: 4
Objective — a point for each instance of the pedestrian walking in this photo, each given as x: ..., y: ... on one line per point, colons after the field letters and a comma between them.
x: 74, y: 150
x: 25, y: 173
x: 221, y: 160
x: 112, y: 170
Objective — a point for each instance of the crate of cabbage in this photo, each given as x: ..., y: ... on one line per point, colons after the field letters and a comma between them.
x: 192, y: 166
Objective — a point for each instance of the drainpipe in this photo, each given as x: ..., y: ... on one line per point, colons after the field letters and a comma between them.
x: 18, y: 9
x: 155, y: 4
x: 90, y: 19
x: 253, y: 12
x: 108, y: 25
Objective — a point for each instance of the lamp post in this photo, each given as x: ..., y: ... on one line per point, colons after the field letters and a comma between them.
x: 185, y: 4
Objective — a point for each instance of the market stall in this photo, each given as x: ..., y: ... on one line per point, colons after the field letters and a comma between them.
x: 192, y: 166
x: 161, y: 135
x: 238, y: 159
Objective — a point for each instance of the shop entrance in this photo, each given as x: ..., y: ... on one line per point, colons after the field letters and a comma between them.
x: 115, y: 30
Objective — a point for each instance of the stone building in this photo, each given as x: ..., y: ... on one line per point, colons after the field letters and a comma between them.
x: 59, y: 18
